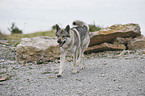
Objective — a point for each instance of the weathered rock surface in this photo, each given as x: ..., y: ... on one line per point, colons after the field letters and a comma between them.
x: 37, y: 49
x: 111, y: 33
x: 105, y: 47
x: 120, y: 40
x: 136, y: 43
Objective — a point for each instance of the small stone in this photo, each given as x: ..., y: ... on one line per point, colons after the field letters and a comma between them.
x: 139, y: 88
x: 102, y: 75
x: 105, y: 64
x: 4, y: 78
x: 97, y: 90
x: 46, y: 72
x: 13, y: 49
x: 50, y: 76
x: 119, y: 87
x: 2, y: 60
x: 114, y: 79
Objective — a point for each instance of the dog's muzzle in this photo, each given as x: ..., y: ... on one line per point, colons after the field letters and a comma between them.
x: 60, y: 42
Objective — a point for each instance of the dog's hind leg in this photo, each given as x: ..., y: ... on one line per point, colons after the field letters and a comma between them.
x: 79, y: 56
x: 75, y: 62
x: 83, y: 59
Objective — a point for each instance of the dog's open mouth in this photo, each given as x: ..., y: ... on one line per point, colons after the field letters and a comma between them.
x: 61, y: 44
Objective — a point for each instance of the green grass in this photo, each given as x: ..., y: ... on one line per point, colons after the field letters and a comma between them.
x: 19, y: 36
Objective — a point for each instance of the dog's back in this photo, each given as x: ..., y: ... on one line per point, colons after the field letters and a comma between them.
x: 83, y: 31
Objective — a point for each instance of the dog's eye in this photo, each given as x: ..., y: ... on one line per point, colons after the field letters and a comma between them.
x: 56, y: 35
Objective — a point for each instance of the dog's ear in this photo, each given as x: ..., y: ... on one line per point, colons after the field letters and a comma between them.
x: 67, y: 28
x: 57, y: 27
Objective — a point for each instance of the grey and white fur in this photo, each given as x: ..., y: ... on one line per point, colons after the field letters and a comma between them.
x: 74, y: 40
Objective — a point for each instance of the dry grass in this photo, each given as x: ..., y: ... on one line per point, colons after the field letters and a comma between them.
x: 19, y: 36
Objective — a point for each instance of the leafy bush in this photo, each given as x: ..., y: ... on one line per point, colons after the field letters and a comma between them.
x: 53, y: 27
x: 93, y: 27
x: 14, y: 29
x: 1, y: 35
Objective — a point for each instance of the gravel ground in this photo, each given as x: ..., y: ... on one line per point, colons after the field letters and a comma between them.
x: 106, y: 74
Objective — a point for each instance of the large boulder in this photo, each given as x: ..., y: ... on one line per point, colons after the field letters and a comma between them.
x: 111, y: 33
x: 136, y: 43
x: 37, y: 49
x: 105, y: 47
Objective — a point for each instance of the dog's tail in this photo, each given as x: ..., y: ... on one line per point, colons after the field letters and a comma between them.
x: 80, y: 23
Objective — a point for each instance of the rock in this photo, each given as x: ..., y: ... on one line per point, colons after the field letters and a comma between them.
x: 50, y: 76
x: 4, y: 43
x: 111, y: 33
x: 120, y: 40
x: 143, y: 51
x: 124, y: 52
x: 37, y: 49
x: 136, y: 43
x: 5, y: 77
x: 13, y: 49
x: 104, y: 47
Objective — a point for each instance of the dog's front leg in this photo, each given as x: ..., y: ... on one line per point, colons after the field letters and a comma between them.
x: 62, y: 60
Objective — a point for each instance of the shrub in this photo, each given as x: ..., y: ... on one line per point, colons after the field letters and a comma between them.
x: 93, y: 27
x: 1, y: 35
x: 53, y: 27
x: 14, y: 29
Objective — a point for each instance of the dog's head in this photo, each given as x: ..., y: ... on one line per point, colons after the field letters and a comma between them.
x: 63, y: 36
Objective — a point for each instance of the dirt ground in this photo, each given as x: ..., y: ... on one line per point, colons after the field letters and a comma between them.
x: 106, y: 74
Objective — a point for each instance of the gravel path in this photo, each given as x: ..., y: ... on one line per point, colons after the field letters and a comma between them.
x: 106, y: 74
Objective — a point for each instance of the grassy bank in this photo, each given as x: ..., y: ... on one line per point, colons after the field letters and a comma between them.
x: 19, y: 36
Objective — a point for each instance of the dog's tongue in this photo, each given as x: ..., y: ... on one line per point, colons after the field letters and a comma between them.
x: 60, y: 44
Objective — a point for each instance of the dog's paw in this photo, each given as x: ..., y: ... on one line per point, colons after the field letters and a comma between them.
x: 59, y: 75
x: 74, y: 71
x: 83, y: 67
x: 78, y: 63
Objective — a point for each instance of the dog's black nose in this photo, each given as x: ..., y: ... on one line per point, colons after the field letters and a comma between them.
x: 58, y: 41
